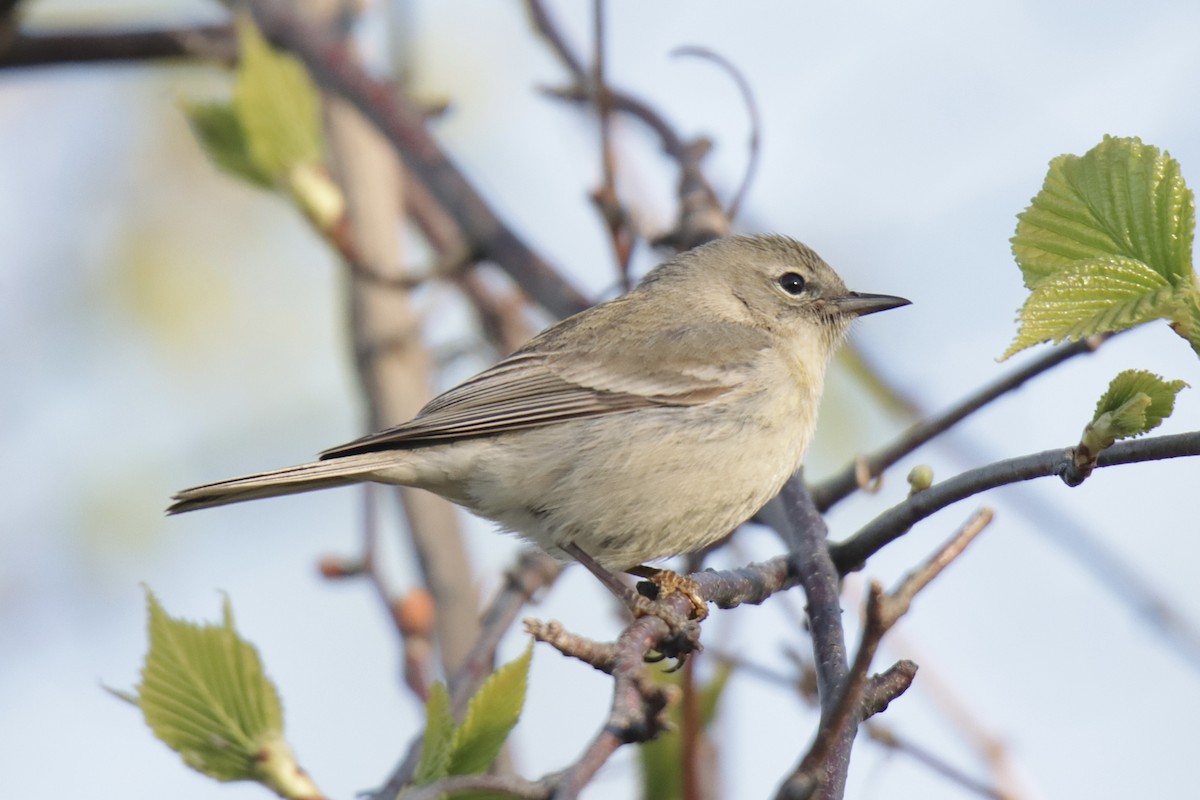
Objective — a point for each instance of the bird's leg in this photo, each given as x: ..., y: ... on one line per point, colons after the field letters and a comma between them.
x: 668, y: 583
x: 685, y: 632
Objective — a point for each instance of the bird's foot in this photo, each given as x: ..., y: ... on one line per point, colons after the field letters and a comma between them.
x: 662, y: 583
x: 651, y: 601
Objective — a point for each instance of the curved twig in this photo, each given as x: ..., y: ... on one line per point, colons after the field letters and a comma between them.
x: 755, y: 144
x: 701, y: 217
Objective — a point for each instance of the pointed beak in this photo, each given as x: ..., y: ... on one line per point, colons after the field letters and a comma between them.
x: 859, y: 304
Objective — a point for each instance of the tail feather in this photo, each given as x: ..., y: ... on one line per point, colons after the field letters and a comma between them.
x: 290, y: 480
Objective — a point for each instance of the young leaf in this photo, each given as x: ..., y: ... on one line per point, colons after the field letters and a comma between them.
x: 439, y: 737
x: 1136, y: 402
x: 204, y: 694
x: 220, y: 133
x: 276, y: 105
x: 1122, y: 199
x: 1187, y: 324
x: 1093, y: 297
x: 491, y: 715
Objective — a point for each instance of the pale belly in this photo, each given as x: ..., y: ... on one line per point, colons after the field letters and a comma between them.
x: 632, y: 488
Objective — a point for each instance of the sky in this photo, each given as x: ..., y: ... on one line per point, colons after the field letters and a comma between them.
x: 162, y: 326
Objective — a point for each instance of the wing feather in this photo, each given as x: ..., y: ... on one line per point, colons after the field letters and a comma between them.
x: 546, y: 383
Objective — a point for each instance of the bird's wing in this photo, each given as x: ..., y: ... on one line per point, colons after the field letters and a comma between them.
x: 547, y: 382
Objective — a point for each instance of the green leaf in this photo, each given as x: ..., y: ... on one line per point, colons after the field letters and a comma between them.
x: 276, y: 105
x: 491, y: 715
x: 220, y: 133
x: 1121, y: 200
x: 1101, y: 295
x: 204, y: 694
x: 661, y: 758
x: 1136, y: 402
x: 1187, y: 323
x: 439, y: 737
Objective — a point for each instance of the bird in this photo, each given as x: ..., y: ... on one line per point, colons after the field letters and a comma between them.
x: 644, y: 427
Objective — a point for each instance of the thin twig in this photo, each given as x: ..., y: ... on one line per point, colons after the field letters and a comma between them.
x: 888, y: 738
x: 896, y: 521
x: 755, y: 144
x: 488, y: 785
x: 533, y: 572
x: 616, y: 219
x: 44, y: 49
x: 402, y: 123
x: 816, y: 774
x: 840, y: 486
x: 639, y: 705
x: 701, y: 217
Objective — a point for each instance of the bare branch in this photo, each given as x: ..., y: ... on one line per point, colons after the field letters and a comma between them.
x: 701, y: 217
x: 896, y: 521
x: 533, y: 572
x: 403, y: 125
x: 809, y: 552
x: 845, y: 482
x: 819, y: 772
x: 755, y: 144
x: 616, y: 218
x: 208, y: 42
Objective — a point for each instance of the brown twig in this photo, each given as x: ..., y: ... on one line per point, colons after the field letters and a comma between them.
x: 534, y: 571
x: 616, y: 218
x: 403, y: 125
x: 700, y: 217
x: 208, y: 42
x: 639, y: 705
x: 816, y: 774
x: 755, y: 143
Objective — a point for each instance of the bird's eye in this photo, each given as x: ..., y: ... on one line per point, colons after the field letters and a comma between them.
x: 792, y: 283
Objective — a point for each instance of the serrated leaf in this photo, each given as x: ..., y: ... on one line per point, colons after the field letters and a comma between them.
x: 220, y: 134
x: 1121, y: 199
x: 438, y: 744
x: 1093, y: 297
x: 491, y: 715
x: 1136, y: 402
x: 204, y: 694
x: 276, y: 104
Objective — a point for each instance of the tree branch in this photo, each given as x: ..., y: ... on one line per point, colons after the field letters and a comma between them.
x: 208, y: 42
x: 840, y: 486
x: 701, y: 217
x: 896, y: 521
x: 819, y: 771
x: 404, y: 126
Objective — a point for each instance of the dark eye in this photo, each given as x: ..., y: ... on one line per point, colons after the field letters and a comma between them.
x: 792, y: 283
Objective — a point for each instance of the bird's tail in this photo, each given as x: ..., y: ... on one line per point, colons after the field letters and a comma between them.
x: 291, y: 480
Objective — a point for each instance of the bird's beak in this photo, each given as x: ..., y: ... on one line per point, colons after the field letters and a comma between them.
x: 859, y: 304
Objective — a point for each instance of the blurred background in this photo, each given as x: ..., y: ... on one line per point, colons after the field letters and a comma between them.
x: 162, y: 325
